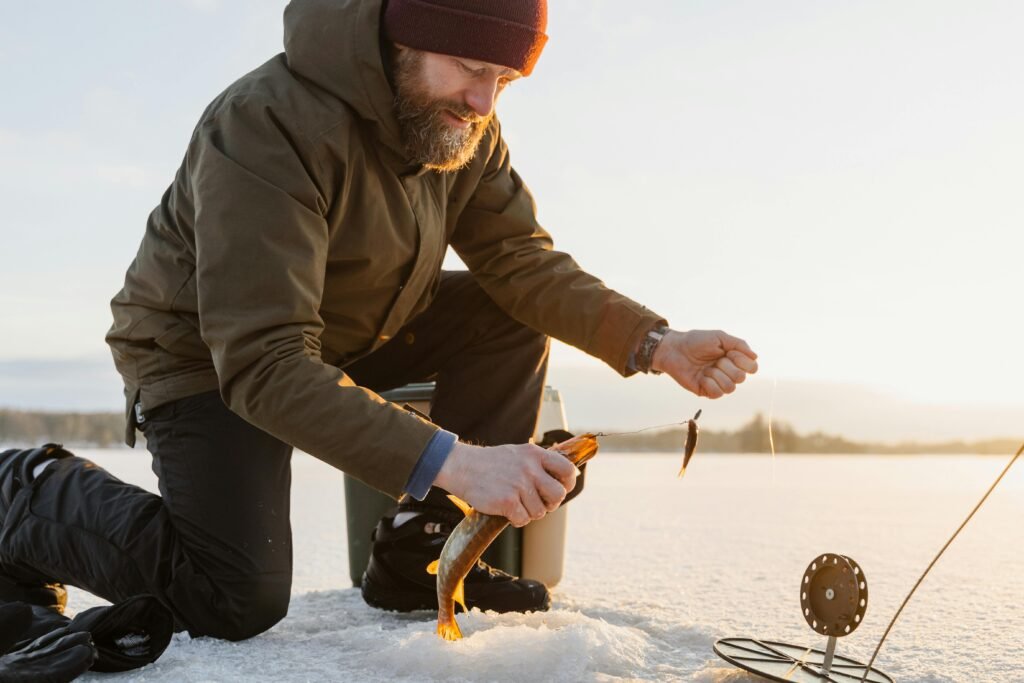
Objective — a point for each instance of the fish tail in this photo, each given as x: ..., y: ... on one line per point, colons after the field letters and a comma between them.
x: 449, y: 630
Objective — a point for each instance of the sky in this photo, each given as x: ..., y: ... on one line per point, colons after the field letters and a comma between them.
x: 837, y: 183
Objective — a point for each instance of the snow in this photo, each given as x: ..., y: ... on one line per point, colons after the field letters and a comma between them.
x: 657, y: 569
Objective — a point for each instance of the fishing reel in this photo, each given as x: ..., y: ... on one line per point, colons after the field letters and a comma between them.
x: 833, y: 599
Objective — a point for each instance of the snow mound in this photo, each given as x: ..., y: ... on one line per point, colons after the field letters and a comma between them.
x: 334, y: 636
x: 552, y: 646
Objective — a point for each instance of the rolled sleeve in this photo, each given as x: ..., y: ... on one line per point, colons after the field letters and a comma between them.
x: 431, y: 460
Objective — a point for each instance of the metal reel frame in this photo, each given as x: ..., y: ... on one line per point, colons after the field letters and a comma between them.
x: 833, y: 599
x: 793, y: 663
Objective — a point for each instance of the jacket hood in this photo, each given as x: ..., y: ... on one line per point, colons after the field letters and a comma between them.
x: 336, y: 45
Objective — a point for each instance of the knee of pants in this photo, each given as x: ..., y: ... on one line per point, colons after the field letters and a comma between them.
x: 248, y: 608
x: 17, y: 470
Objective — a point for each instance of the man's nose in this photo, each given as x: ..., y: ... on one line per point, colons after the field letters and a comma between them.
x: 482, y: 96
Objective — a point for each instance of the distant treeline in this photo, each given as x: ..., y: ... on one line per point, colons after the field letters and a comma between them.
x: 28, y: 429
x: 107, y: 430
x: 753, y: 437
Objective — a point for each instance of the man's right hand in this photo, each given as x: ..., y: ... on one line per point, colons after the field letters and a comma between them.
x: 519, y: 482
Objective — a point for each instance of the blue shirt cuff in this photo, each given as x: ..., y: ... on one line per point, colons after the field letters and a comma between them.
x: 431, y: 459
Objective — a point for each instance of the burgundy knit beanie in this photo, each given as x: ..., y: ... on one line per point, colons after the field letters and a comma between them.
x: 505, y: 32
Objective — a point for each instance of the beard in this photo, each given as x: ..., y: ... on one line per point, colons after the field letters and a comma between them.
x: 428, y: 138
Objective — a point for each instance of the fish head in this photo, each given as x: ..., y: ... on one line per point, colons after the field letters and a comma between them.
x: 578, y: 449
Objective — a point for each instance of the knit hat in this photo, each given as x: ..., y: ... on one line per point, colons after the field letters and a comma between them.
x: 505, y: 32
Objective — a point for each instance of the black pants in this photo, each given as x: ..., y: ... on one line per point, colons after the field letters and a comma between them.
x: 215, y: 546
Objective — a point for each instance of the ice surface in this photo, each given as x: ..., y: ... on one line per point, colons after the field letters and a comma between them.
x: 657, y: 569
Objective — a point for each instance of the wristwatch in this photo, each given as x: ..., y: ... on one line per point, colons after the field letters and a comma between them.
x: 649, y: 343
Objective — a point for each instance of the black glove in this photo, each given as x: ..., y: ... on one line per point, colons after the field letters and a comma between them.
x: 57, y: 657
x: 128, y: 635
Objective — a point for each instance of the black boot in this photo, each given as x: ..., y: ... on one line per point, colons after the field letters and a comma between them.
x: 16, y: 468
x: 396, y: 578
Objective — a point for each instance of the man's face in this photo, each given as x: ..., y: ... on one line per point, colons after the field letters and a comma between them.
x: 444, y: 105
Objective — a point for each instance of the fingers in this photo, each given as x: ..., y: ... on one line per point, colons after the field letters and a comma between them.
x: 722, y: 376
x: 521, y: 482
x: 60, y: 655
x: 742, y: 361
x: 545, y: 487
x: 734, y: 373
x: 531, y: 500
x: 715, y: 383
x: 518, y: 515
x: 559, y: 467
x: 552, y: 492
x: 731, y: 343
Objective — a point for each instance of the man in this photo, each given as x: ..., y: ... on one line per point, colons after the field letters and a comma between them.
x: 292, y: 270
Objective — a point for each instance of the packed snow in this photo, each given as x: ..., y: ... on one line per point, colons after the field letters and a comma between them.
x: 657, y: 569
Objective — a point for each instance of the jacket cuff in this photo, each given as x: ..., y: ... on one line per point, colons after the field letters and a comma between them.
x: 631, y: 367
x: 619, y: 335
x: 433, y: 457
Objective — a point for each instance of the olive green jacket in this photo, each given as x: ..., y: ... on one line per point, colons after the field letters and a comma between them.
x: 296, y: 238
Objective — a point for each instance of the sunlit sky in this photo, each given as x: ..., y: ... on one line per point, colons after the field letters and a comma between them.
x: 839, y: 183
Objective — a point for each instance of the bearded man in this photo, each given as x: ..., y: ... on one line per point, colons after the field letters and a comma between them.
x: 291, y: 271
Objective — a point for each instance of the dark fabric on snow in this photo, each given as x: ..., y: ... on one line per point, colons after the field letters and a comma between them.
x: 56, y: 656
x: 127, y: 636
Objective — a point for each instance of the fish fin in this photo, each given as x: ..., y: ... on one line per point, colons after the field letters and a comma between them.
x: 682, y: 471
x: 461, y: 504
x: 459, y: 596
x: 449, y: 630
x: 432, y: 567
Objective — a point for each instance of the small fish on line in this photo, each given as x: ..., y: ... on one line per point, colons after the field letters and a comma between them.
x: 692, y: 432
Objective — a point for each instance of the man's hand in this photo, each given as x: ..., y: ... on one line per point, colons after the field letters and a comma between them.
x: 708, y: 363
x: 519, y: 482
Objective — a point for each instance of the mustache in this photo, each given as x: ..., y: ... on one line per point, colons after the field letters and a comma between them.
x: 463, y: 111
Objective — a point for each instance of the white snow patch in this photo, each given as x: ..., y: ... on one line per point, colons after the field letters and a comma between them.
x: 656, y: 570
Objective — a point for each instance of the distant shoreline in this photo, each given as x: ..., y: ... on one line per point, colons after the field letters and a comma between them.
x: 753, y: 437
x: 23, y: 429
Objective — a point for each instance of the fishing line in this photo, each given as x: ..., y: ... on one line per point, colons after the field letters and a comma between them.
x: 771, y: 434
x: 645, y: 429
x: 951, y: 538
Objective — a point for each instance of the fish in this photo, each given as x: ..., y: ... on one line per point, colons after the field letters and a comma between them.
x: 692, y: 431
x: 473, y: 535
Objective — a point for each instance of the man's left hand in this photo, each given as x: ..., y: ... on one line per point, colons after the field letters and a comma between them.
x: 709, y: 363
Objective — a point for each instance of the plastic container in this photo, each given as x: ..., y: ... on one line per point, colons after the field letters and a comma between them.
x: 535, y: 552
